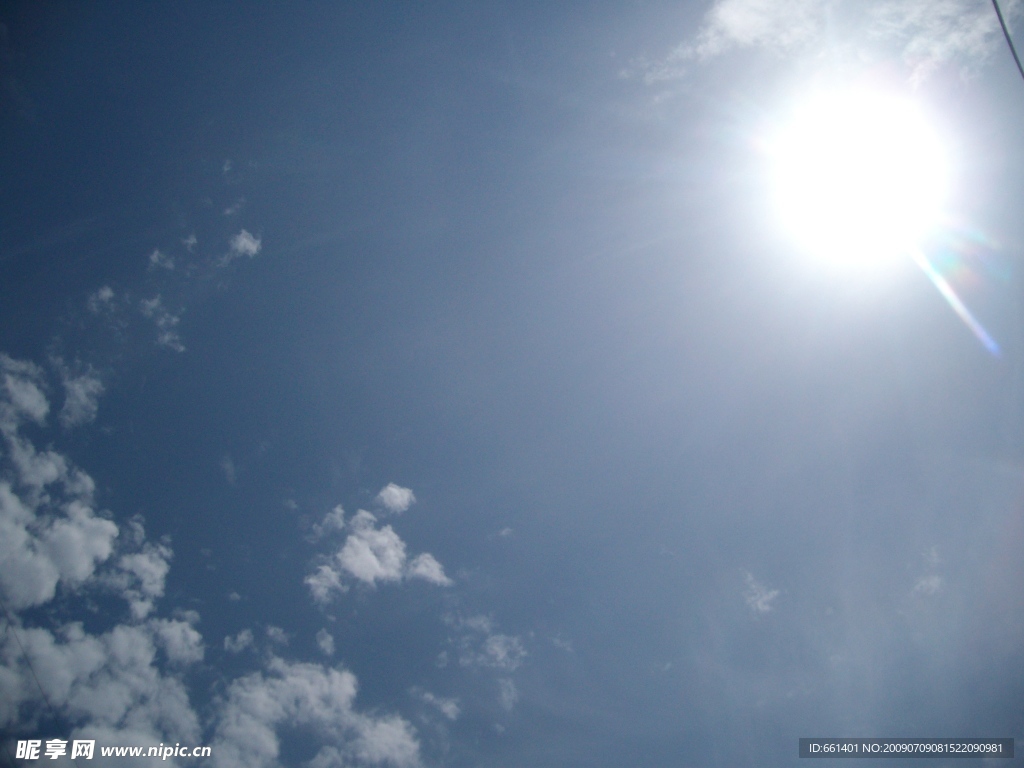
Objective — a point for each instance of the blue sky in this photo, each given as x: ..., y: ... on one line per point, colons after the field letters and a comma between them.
x: 435, y: 385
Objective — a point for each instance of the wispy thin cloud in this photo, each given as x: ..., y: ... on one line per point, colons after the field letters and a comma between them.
x: 925, y: 33
x: 325, y: 642
x: 448, y: 707
x: 759, y: 598
x: 277, y: 635
x: 508, y: 694
x: 166, y: 323
x: 227, y: 466
x: 160, y: 260
x: 235, y: 207
x: 238, y: 643
x: 479, y: 645
x: 82, y: 392
x: 101, y: 299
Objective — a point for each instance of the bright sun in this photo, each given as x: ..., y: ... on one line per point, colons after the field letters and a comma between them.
x: 860, y: 176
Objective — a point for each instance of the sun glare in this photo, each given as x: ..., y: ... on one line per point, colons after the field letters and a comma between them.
x: 860, y: 176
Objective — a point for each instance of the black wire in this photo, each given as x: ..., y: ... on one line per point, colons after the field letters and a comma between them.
x: 1006, y: 34
x: 28, y: 661
x: 7, y: 746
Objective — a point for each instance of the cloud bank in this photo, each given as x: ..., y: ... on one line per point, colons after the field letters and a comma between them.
x: 126, y: 684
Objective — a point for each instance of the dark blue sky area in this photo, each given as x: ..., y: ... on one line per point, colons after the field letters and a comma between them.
x: 434, y: 385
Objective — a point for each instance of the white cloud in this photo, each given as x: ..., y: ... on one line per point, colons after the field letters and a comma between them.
x: 758, y: 597
x: 81, y: 397
x: 49, y: 533
x: 166, y: 322
x: 324, y: 582
x: 124, y: 685
x: 108, y: 683
x: 234, y: 208
x: 501, y: 652
x: 325, y: 642
x: 239, y: 642
x: 925, y: 33
x: 101, y: 299
x: 931, y: 582
x: 426, y: 567
x: 931, y: 32
x: 508, y: 693
x: 180, y: 640
x: 277, y: 635
x: 776, y: 24
x: 242, y: 244
x: 160, y: 260
x: 927, y: 586
x: 23, y: 396
x: 314, y: 698
x: 37, y: 554
x: 560, y: 642
x: 371, y: 555
x: 190, y: 242
x: 333, y: 521
x: 145, y: 573
x: 447, y: 707
x: 395, y: 498
x: 480, y: 646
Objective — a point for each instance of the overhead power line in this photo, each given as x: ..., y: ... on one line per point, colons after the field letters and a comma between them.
x: 28, y: 660
x: 1006, y: 34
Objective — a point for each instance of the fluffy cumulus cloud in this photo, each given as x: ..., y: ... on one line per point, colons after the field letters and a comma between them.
x: 142, y: 573
x: 179, y: 638
x: 371, y: 554
x: 121, y: 685
x: 109, y: 685
x: 314, y: 698
x: 125, y: 683
x: 395, y: 498
x: 925, y: 33
x: 50, y: 534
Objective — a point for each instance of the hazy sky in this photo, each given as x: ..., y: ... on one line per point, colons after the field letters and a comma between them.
x: 434, y: 385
